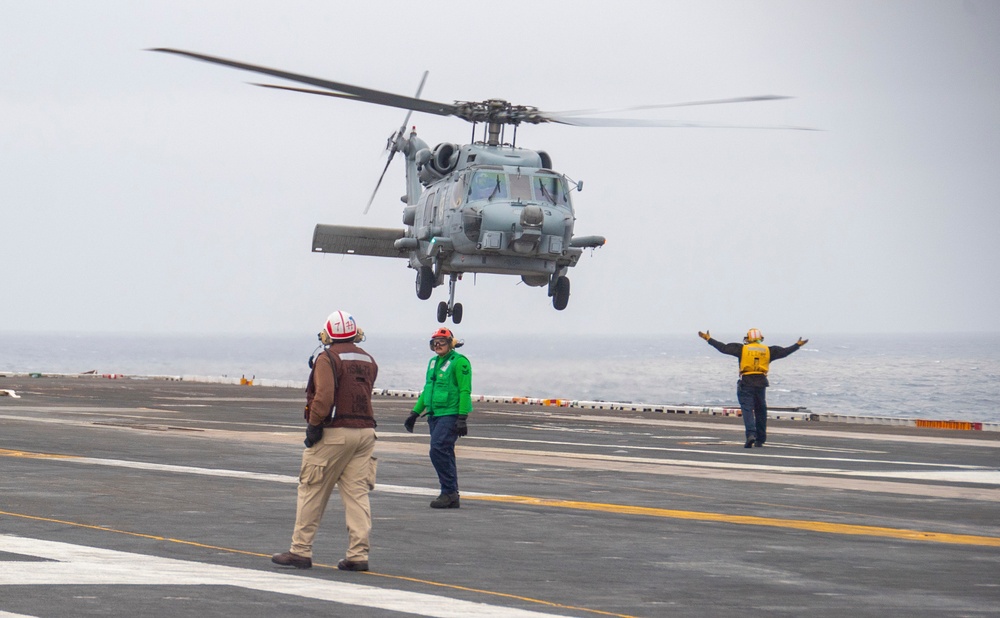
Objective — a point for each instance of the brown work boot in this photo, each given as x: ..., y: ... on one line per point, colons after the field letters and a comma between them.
x: 349, y: 565
x: 288, y: 559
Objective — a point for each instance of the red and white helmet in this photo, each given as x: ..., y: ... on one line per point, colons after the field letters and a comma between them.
x: 753, y: 336
x: 340, y: 326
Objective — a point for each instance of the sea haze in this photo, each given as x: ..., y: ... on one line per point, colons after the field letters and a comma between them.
x: 953, y: 377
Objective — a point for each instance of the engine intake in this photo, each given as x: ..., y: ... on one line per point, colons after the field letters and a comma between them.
x: 437, y: 164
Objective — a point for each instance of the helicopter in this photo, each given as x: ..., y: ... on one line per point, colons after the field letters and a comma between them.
x: 484, y: 207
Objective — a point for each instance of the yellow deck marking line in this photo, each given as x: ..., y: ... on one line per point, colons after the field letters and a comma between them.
x: 315, y: 564
x: 749, y: 520
x: 29, y: 455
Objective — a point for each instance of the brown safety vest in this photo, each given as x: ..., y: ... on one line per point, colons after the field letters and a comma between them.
x: 354, y: 373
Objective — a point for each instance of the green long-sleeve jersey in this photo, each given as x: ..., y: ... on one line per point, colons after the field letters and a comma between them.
x: 448, y: 389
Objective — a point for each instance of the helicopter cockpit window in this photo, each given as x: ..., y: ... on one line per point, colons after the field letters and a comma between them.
x: 551, y: 189
x: 488, y: 186
x: 520, y: 187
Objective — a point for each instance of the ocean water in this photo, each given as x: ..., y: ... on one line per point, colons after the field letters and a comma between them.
x: 945, y: 377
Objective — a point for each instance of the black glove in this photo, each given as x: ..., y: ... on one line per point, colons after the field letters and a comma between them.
x: 462, y: 426
x: 314, y: 433
x: 411, y: 421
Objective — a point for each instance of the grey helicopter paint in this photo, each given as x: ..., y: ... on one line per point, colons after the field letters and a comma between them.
x: 486, y: 207
x: 478, y: 208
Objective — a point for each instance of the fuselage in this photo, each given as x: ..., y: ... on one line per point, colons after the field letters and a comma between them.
x: 493, y: 209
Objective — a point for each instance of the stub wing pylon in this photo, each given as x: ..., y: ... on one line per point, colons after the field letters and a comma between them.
x: 352, y: 240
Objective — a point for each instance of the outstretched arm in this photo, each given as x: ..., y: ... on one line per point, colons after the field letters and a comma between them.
x: 732, y: 349
x: 780, y: 352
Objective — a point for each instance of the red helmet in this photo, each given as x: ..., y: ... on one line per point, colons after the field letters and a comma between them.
x: 443, y: 333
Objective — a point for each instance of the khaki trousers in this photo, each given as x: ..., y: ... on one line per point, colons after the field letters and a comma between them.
x: 342, y: 458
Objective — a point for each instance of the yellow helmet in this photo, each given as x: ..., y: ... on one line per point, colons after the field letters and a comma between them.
x: 753, y: 336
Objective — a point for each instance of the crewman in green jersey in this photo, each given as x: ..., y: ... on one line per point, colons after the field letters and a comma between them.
x: 447, y: 400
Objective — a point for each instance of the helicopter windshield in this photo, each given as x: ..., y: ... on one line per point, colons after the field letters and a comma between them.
x: 491, y: 185
x: 488, y: 186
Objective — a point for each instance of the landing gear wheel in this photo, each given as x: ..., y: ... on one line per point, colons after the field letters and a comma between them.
x: 425, y: 282
x: 442, y: 311
x: 560, y: 297
x: 456, y: 313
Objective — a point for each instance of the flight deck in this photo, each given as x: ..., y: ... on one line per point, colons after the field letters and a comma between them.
x: 153, y: 497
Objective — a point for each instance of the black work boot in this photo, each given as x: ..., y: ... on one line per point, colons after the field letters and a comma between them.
x: 749, y: 442
x: 445, y: 501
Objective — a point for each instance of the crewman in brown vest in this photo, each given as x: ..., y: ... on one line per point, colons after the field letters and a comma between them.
x: 340, y: 440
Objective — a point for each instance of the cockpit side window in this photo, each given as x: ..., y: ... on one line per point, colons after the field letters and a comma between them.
x: 488, y: 186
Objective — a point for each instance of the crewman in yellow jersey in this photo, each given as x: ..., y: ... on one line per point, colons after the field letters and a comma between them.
x: 755, y: 359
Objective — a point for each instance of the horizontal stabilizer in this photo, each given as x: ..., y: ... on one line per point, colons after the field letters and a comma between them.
x: 377, y: 241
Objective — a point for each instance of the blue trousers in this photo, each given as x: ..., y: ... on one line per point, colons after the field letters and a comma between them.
x: 754, y: 406
x: 443, y: 438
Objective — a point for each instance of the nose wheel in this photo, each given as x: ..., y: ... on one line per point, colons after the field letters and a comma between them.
x: 450, y: 308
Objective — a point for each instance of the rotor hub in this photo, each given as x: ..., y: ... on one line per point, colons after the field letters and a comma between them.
x: 498, y: 111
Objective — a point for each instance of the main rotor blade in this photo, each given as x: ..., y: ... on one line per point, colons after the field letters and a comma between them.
x: 362, y: 94
x: 579, y: 112
x: 636, y: 122
x: 325, y: 93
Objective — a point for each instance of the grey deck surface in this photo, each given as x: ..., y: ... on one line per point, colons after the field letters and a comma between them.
x: 163, y: 498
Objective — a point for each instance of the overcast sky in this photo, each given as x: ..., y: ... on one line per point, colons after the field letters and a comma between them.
x: 143, y: 192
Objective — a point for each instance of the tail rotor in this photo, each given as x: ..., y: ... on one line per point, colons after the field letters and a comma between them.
x: 394, y: 142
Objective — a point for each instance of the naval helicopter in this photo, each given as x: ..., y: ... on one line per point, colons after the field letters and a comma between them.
x: 484, y: 207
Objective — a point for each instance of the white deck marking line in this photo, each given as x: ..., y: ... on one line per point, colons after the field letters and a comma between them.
x: 969, y: 474
x: 771, y: 431
x: 219, y: 472
x: 974, y: 474
x: 80, y: 565
x: 755, y: 453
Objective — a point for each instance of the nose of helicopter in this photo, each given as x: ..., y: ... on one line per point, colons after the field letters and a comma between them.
x: 524, y: 230
x: 527, y: 240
